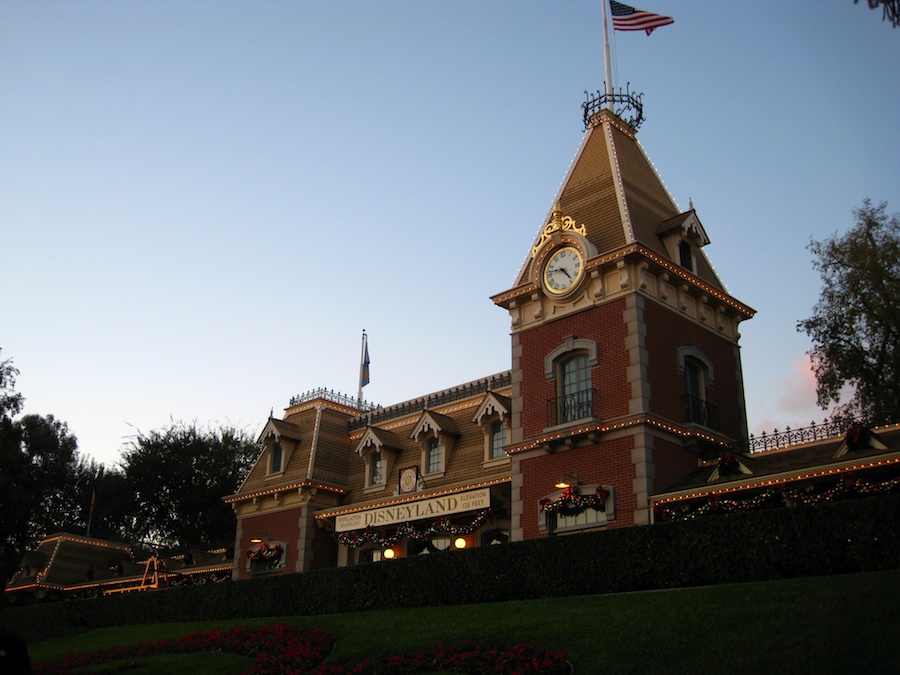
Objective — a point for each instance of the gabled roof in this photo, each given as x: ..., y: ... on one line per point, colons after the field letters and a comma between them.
x: 493, y: 403
x: 684, y: 223
x: 430, y: 421
x: 614, y: 191
x: 279, y: 428
x: 379, y: 438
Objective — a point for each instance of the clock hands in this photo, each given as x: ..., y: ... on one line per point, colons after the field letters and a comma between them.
x: 551, y: 270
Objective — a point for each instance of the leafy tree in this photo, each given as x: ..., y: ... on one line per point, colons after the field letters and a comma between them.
x: 44, y: 481
x: 178, y: 477
x: 12, y: 467
x: 890, y: 10
x: 855, y: 325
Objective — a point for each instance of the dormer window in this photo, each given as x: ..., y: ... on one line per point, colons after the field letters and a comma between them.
x: 493, y: 417
x: 683, y: 236
x: 275, y: 457
x: 376, y: 468
x: 379, y: 449
x: 279, y: 440
x: 434, y: 456
x: 686, y: 255
x: 437, y: 434
x: 498, y: 440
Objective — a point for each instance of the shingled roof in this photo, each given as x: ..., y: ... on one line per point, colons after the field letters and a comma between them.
x: 613, y: 190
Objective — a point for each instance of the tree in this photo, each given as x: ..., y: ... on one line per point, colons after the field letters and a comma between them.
x: 178, y: 477
x: 855, y: 325
x: 890, y: 10
x: 12, y: 466
x: 44, y: 482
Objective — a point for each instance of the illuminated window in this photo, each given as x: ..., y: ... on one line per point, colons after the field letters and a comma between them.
x: 376, y: 468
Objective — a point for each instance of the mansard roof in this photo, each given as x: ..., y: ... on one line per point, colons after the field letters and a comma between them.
x: 613, y: 190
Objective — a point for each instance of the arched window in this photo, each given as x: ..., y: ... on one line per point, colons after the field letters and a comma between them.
x: 570, y: 365
x: 575, y: 393
x: 698, y: 377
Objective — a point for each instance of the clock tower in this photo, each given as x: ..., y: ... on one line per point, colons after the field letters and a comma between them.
x: 626, y: 368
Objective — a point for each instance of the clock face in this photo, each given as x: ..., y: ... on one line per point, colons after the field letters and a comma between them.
x: 563, y: 270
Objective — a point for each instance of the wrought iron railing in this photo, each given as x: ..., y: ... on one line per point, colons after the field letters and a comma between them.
x: 334, y: 397
x: 377, y: 415
x: 571, y: 407
x: 814, y: 432
x: 698, y: 411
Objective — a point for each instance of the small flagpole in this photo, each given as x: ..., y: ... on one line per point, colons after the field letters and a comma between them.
x: 606, y: 60
x: 91, y: 512
x: 363, y: 380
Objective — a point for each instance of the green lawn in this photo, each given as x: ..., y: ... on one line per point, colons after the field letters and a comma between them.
x: 840, y: 624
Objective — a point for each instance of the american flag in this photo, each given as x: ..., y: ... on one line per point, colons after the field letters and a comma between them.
x: 629, y: 18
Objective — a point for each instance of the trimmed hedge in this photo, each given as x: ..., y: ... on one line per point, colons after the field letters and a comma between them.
x: 848, y: 536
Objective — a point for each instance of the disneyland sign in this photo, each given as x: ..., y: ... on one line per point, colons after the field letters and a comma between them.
x: 424, y: 508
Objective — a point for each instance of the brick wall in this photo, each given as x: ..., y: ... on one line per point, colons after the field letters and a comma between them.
x: 281, y: 526
x: 605, y: 463
x: 605, y: 325
x: 666, y: 333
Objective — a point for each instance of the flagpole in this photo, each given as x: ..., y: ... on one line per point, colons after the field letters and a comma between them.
x: 91, y: 512
x: 606, y: 59
x: 362, y: 368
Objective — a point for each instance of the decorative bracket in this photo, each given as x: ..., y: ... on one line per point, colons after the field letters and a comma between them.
x: 558, y: 223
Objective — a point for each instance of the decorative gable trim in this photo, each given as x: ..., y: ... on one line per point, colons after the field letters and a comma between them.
x: 377, y: 439
x: 433, y: 423
x: 731, y: 464
x: 859, y: 437
x: 278, y: 435
x: 493, y: 404
x: 685, y: 224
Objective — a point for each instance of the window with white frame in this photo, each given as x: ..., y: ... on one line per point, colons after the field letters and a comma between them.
x: 376, y: 468
x: 583, y: 516
x: 276, y: 455
x: 434, y: 455
x: 575, y: 392
x: 570, y: 366
x: 498, y: 440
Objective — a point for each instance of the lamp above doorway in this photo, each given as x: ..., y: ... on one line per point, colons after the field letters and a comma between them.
x: 568, y: 480
x: 258, y: 538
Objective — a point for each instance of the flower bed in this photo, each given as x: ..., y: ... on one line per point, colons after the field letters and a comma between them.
x: 288, y: 650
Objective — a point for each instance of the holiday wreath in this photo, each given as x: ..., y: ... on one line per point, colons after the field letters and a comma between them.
x: 570, y: 503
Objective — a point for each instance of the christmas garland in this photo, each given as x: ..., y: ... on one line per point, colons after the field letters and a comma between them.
x: 846, y: 487
x: 570, y: 503
x: 408, y: 531
x: 266, y: 553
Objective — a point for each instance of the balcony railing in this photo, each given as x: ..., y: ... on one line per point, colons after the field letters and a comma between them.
x: 698, y: 411
x: 571, y: 407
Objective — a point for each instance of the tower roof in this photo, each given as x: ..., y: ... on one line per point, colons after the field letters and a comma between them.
x: 613, y: 190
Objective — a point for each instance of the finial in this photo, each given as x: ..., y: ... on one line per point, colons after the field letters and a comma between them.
x: 690, y: 204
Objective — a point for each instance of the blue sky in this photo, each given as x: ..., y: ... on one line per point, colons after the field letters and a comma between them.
x: 203, y: 204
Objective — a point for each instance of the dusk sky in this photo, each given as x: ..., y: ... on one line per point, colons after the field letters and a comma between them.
x: 204, y: 203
